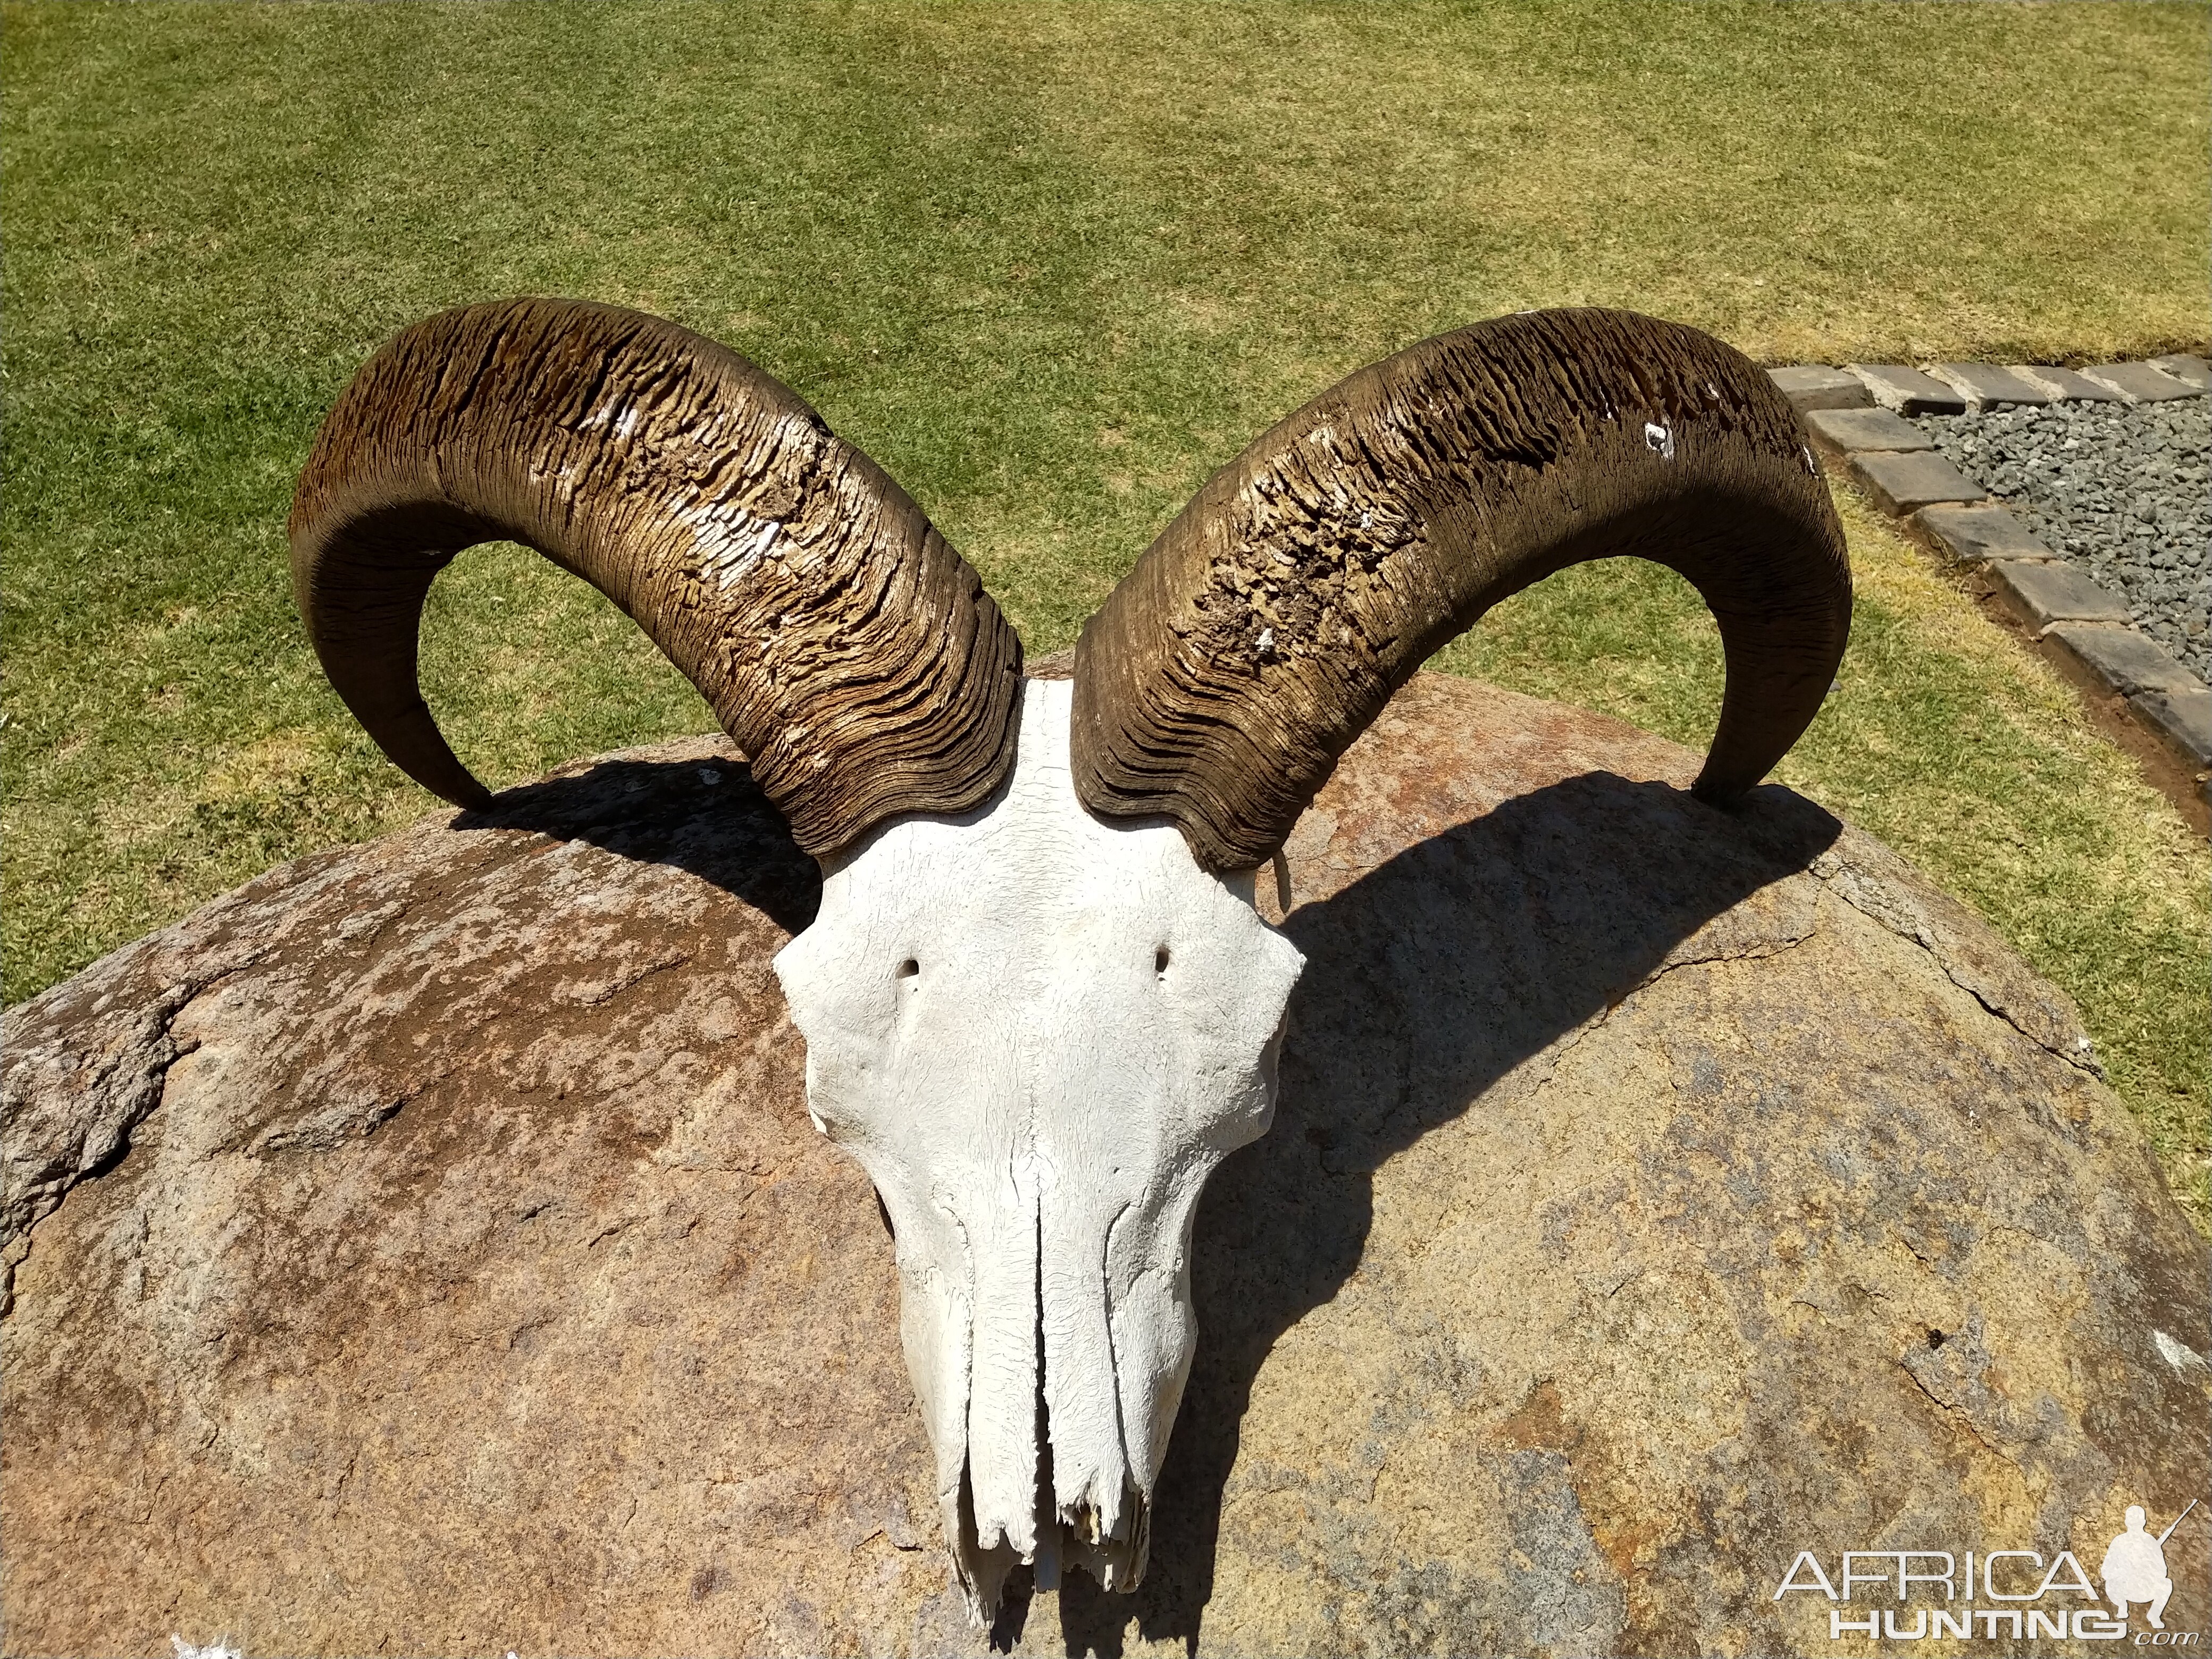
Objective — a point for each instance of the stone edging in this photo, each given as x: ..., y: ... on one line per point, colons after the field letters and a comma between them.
x: 2158, y: 710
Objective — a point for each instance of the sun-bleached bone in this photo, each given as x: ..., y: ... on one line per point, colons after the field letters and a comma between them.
x: 1039, y: 1033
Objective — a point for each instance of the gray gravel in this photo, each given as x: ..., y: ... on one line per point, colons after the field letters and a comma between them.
x: 2120, y: 491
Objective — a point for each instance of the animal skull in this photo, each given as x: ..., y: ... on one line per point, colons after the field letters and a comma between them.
x: 1039, y: 1006
x: 1039, y: 1032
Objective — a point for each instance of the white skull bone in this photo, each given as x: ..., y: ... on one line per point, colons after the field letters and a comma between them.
x: 1039, y: 1033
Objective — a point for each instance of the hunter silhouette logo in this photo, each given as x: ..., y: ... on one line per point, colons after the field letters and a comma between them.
x: 2134, y: 1568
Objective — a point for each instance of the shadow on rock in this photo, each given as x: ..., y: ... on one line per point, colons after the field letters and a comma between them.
x: 705, y: 815
x: 1426, y: 981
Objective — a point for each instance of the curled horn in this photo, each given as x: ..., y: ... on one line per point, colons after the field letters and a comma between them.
x: 1312, y: 575
x: 850, y: 652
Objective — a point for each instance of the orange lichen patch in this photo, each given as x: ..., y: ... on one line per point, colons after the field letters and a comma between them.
x: 1536, y: 1424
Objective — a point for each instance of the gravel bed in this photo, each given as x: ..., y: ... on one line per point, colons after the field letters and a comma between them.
x: 2119, y: 490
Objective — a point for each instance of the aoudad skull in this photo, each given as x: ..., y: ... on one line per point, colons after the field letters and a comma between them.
x: 1039, y: 1032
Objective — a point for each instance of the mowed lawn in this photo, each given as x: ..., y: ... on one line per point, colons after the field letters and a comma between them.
x: 1051, y: 266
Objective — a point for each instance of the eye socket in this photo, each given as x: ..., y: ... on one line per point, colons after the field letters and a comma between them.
x: 909, y: 969
x: 1160, y: 960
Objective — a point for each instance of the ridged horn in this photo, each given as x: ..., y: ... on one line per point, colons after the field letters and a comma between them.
x: 1313, y: 575
x: 850, y: 652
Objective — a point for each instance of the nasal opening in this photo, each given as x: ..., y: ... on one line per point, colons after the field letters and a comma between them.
x: 1047, y: 1511
x: 1074, y: 1538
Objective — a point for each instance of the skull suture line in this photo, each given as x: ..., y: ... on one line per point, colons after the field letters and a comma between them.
x: 1039, y: 1007
x: 1039, y: 1033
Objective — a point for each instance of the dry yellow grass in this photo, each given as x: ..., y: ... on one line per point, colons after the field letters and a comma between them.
x: 1051, y: 266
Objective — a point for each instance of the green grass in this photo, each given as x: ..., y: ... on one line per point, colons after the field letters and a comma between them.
x: 1051, y: 266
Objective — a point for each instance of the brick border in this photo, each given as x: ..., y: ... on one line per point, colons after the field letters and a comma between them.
x: 2155, y: 708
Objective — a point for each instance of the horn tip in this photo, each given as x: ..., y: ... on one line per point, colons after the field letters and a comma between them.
x: 1727, y: 795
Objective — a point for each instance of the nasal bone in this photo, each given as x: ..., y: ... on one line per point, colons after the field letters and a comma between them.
x: 1048, y: 1472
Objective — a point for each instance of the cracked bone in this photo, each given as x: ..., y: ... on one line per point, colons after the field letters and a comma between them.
x: 1039, y: 1033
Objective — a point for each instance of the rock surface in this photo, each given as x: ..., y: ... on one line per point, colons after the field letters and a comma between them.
x: 427, y: 1250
